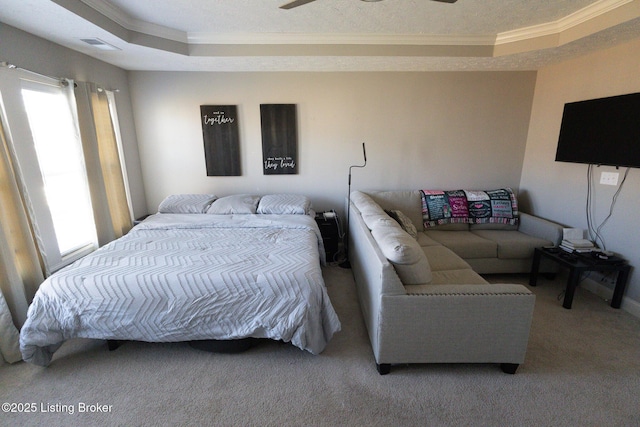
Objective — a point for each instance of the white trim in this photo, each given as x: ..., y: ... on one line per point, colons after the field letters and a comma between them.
x: 589, y: 13
x: 74, y: 255
x: 341, y: 39
x: 126, y: 21
x: 630, y: 306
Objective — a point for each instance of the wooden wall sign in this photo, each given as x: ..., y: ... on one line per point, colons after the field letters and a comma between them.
x: 221, y: 139
x: 279, y: 139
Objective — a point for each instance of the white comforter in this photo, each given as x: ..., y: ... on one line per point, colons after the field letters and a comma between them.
x: 179, y: 277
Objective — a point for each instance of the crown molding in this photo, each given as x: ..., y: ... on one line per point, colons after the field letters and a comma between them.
x: 341, y: 39
x: 126, y: 21
x: 583, y: 16
x: 591, y: 19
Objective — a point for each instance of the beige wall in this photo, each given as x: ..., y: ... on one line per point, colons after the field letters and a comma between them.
x: 36, y: 54
x: 422, y: 130
x: 558, y: 190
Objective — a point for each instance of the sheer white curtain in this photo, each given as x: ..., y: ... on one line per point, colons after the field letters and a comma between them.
x: 21, y: 268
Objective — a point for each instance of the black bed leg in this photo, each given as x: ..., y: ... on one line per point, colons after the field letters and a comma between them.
x: 383, y: 368
x: 509, y: 368
x: 113, y: 344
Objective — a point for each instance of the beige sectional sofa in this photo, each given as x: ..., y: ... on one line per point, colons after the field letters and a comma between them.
x: 421, y: 294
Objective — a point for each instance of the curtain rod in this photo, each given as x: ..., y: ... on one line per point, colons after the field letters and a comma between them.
x: 63, y: 80
x: 15, y: 67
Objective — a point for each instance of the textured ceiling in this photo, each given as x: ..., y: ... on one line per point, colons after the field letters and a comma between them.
x: 330, y: 35
x: 350, y: 16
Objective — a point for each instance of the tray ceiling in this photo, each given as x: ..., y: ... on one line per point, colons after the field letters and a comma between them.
x: 329, y: 35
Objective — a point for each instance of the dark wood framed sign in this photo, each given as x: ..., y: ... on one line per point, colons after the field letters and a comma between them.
x: 279, y: 139
x: 221, y: 139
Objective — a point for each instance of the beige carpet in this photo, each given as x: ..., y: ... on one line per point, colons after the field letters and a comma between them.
x: 582, y: 369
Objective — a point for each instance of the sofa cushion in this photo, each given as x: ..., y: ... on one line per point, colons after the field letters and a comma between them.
x: 372, y: 214
x: 403, y: 252
x: 424, y: 240
x: 409, y: 274
x: 365, y: 204
x: 512, y: 244
x: 404, y: 221
x: 457, y: 277
x: 397, y: 246
x: 491, y: 226
x: 448, y: 277
x: 409, y: 202
x: 465, y: 243
x: 450, y: 227
x: 441, y: 258
x: 373, y: 220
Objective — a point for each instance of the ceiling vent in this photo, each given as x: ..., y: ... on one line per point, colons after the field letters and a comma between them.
x: 99, y: 44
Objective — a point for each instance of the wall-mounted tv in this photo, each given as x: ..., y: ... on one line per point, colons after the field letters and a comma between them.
x: 604, y: 131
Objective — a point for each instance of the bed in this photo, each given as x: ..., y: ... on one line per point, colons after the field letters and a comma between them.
x: 202, y: 268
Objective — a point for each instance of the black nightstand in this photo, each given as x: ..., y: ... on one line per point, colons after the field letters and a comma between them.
x: 139, y: 220
x: 328, y: 224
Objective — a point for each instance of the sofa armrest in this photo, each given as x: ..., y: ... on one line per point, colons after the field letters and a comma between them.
x: 542, y: 228
x: 456, y: 324
x: 368, y: 263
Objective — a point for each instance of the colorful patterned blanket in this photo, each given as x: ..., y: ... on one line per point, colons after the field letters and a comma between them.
x: 469, y: 207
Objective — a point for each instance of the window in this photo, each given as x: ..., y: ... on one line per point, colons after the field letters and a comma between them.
x: 60, y: 159
x: 42, y: 129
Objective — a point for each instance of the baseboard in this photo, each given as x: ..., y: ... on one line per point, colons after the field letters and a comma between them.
x: 630, y: 306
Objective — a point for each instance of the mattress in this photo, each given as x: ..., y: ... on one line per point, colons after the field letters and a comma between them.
x: 184, y: 277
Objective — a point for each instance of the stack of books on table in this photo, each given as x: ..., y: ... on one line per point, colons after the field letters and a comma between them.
x: 577, y: 245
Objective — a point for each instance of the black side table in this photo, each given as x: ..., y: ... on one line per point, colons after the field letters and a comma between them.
x: 578, y: 264
x: 139, y: 220
x: 330, y: 233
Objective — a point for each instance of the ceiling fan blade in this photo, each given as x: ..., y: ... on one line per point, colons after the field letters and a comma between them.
x: 295, y: 3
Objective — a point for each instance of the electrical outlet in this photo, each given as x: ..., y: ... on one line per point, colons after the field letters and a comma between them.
x: 609, y: 178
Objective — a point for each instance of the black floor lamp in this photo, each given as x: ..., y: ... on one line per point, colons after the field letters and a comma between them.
x: 346, y: 263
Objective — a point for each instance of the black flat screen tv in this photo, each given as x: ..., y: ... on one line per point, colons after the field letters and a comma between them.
x: 604, y: 131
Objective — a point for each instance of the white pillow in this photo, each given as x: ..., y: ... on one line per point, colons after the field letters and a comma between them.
x: 404, y: 252
x: 186, y: 203
x: 237, y: 204
x: 284, y: 204
x: 374, y: 220
x: 404, y: 221
x: 365, y: 204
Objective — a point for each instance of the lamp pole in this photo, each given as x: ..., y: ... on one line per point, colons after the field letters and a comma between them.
x: 347, y: 263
